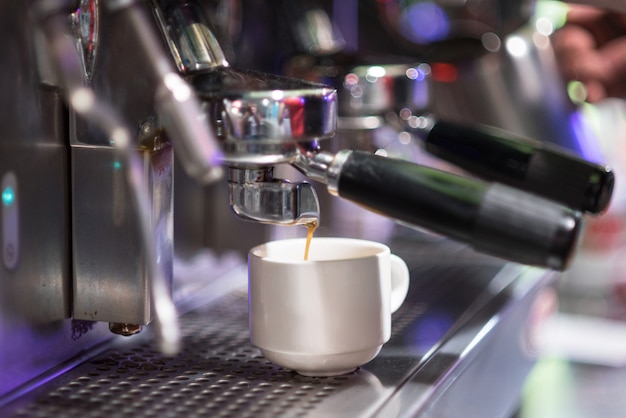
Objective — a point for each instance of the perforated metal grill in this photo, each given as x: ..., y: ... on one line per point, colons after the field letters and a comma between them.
x: 218, y: 374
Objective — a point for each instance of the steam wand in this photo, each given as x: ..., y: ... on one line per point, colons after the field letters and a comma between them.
x: 84, y: 102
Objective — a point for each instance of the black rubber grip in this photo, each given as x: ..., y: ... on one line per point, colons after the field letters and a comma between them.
x: 537, y: 167
x: 493, y: 218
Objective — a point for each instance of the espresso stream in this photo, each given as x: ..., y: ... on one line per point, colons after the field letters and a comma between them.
x: 311, y: 227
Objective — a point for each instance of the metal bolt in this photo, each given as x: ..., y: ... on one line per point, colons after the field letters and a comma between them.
x: 124, y: 329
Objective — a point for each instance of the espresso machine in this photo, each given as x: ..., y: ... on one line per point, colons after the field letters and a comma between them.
x: 130, y: 128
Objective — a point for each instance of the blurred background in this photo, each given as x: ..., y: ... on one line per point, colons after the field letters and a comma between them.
x: 582, y: 372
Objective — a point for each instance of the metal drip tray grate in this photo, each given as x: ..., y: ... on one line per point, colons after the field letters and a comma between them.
x: 218, y: 374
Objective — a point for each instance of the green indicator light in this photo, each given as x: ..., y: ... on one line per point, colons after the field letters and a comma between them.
x: 8, y: 196
x: 117, y: 165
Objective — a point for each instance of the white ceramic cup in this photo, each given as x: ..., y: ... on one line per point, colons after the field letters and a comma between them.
x: 327, y: 315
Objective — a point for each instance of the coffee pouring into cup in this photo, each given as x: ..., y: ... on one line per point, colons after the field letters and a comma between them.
x: 329, y: 314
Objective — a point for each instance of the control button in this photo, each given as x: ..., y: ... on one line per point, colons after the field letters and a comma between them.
x: 8, y: 196
x: 10, y: 221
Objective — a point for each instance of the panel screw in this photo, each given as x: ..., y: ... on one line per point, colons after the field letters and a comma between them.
x: 124, y: 329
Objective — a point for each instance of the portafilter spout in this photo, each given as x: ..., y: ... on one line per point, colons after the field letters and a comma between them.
x: 257, y: 196
x: 262, y: 121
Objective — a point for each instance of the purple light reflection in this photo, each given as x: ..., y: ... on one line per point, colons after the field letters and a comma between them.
x: 587, y: 143
x: 429, y: 330
x: 425, y: 23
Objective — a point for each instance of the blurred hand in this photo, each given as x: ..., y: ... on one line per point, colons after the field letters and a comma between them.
x: 591, y: 48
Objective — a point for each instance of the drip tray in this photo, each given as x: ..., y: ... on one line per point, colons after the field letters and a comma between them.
x: 446, y: 324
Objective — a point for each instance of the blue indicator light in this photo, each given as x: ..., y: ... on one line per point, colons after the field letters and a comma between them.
x: 8, y: 196
x: 117, y: 165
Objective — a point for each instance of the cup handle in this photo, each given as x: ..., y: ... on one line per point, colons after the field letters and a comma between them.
x: 399, y: 282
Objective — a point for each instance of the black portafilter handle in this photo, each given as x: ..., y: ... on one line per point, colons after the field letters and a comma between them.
x: 533, y: 166
x: 493, y: 218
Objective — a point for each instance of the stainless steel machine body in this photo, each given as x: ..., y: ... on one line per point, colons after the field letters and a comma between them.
x: 36, y: 273
x: 97, y: 97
